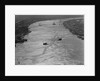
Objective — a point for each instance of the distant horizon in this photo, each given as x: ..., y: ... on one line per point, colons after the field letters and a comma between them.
x: 44, y: 17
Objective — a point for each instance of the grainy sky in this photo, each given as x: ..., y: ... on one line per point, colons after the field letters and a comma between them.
x: 44, y: 17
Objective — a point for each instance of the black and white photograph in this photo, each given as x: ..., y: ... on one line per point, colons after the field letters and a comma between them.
x: 49, y: 39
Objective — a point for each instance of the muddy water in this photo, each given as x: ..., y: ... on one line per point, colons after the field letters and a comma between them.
x: 75, y: 48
